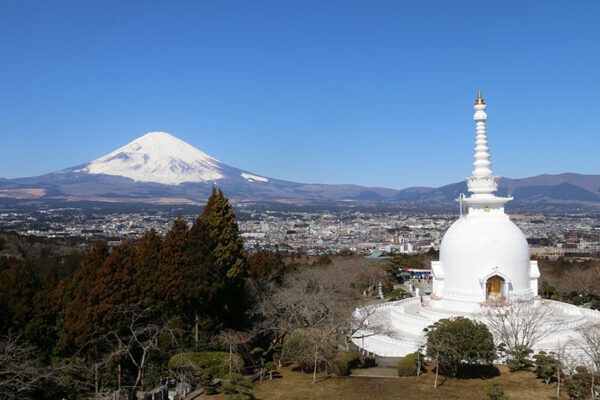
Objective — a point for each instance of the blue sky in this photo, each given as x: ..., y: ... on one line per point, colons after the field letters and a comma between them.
x: 373, y: 93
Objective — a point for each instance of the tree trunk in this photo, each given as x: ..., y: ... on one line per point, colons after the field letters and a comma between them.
x: 119, y: 376
x: 558, y: 382
x: 418, y: 364
x: 230, y: 358
x: 197, y: 334
x: 593, y: 392
x: 96, y: 379
x: 437, y: 369
x: 140, y: 375
x: 315, y: 368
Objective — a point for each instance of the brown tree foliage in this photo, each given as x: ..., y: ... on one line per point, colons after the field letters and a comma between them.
x: 263, y: 264
x: 170, y: 274
x: 147, y: 256
x: 104, y: 285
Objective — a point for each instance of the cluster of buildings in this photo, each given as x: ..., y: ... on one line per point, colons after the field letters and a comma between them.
x: 313, y: 232
x: 357, y: 231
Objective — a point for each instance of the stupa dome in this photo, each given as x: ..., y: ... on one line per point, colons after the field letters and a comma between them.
x: 477, y: 247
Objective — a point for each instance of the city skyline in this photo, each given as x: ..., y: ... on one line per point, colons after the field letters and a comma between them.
x: 375, y: 95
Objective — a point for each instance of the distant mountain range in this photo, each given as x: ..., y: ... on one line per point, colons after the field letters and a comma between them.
x: 161, y: 169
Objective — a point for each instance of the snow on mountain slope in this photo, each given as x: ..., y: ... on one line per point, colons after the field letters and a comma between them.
x: 252, y: 178
x: 160, y: 158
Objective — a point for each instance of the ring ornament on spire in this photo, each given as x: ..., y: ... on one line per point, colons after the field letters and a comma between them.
x: 482, y: 183
x: 479, y: 99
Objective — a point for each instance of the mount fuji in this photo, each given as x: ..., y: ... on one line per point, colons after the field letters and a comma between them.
x: 160, y: 158
x: 158, y: 168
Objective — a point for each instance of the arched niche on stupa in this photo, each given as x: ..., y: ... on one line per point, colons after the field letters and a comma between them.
x: 495, y: 288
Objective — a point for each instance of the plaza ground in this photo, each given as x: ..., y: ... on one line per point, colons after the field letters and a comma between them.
x: 294, y: 385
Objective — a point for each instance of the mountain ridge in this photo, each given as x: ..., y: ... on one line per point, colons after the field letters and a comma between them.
x: 160, y: 168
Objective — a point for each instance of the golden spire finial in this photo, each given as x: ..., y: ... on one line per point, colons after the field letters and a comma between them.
x: 479, y: 99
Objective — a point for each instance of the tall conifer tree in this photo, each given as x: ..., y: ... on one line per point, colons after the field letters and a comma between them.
x: 201, y: 285
x: 147, y: 252
x: 171, y: 273
x: 228, y: 257
x: 76, y: 302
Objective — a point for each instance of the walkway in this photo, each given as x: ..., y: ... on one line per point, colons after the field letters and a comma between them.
x: 387, y: 367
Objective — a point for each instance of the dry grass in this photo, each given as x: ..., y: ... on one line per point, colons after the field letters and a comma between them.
x: 299, y: 386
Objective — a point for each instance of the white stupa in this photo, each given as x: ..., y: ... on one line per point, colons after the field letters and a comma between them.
x: 484, y: 256
x: 484, y: 268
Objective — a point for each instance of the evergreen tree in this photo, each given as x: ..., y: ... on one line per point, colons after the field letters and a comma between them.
x: 147, y: 252
x: 42, y: 329
x: 106, y: 282
x: 459, y: 341
x: 264, y: 264
x: 170, y: 274
x: 18, y: 287
x: 228, y: 257
x: 201, y: 285
x: 115, y: 286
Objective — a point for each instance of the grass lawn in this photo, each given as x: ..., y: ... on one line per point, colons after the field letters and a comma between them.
x: 299, y: 386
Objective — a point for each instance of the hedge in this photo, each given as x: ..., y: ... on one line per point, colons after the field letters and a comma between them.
x: 407, y: 366
x: 345, y: 361
x: 215, y: 361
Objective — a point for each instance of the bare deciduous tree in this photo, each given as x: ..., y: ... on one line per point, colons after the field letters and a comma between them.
x: 321, y: 300
x: 139, y: 334
x: 591, y: 349
x: 234, y: 340
x: 522, y: 323
x: 20, y: 371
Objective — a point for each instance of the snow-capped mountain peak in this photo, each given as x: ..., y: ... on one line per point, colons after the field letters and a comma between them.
x: 158, y: 157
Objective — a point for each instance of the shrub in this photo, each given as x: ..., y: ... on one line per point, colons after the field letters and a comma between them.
x: 238, y: 387
x: 367, y: 362
x: 301, y: 345
x: 206, y: 381
x: 216, y: 362
x: 399, y: 294
x: 579, y: 384
x: 545, y: 366
x: 495, y: 391
x: 344, y: 361
x: 457, y: 341
x: 408, y: 366
x: 270, y: 367
x: 322, y: 261
x: 297, y: 347
x: 519, y: 358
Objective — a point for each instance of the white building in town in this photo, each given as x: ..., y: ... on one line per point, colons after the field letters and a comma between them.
x: 484, y: 268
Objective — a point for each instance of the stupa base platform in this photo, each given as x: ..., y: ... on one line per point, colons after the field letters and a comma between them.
x: 395, y: 329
